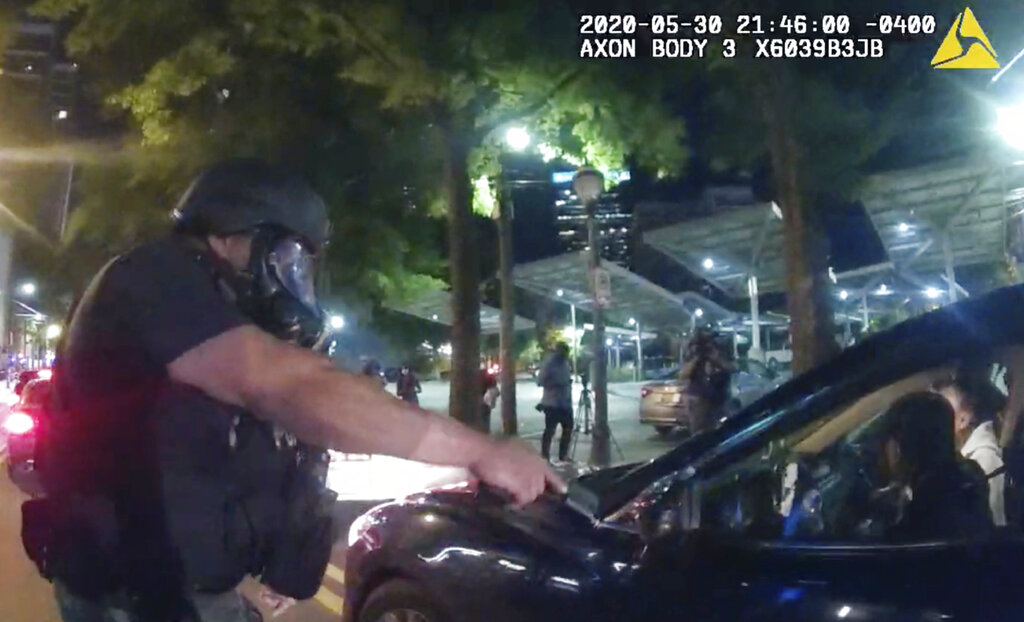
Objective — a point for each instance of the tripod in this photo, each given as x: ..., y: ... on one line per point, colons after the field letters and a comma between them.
x: 585, y: 419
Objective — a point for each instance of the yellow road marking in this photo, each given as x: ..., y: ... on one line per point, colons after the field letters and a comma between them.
x: 330, y: 600
x: 336, y: 573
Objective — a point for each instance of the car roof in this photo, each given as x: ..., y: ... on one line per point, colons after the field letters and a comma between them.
x: 959, y: 331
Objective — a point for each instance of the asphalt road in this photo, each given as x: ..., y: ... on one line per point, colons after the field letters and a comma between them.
x: 361, y: 483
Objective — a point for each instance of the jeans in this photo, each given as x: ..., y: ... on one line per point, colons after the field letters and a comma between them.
x: 224, y: 607
x: 553, y: 417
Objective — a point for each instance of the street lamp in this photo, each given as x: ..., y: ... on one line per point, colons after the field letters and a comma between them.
x: 27, y: 289
x: 1010, y: 125
x: 53, y: 331
x: 337, y: 322
x: 932, y: 292
x: 588, y: 185
x: 517, y: 138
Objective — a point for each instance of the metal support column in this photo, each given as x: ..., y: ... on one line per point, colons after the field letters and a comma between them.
x: 639, y: 367
x: 756, y: 352
x: 575, y: 339
x: 947, y: 255
x: 507, y: 373
x: 864, y: 311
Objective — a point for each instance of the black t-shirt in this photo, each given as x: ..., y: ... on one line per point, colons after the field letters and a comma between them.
x: 141, y: 312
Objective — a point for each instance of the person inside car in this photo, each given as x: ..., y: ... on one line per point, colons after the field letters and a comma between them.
x: 975, y: 402
x: 932, y: 493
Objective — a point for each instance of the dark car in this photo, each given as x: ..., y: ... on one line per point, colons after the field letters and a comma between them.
x: 777, y: 514
x: 23, y: 425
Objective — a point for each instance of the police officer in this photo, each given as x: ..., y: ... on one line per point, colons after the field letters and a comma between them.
x: 170, y: 345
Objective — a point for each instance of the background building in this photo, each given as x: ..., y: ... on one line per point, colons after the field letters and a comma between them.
x: 613, y: 213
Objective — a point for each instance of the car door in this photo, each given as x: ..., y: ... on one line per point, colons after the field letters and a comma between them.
x: 703, y: 576
x: 709, y: 565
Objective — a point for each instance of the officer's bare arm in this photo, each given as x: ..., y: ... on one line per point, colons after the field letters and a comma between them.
x: 322, y: 405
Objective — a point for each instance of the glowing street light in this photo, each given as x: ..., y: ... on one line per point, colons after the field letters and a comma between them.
x: 337, y: 322
x: 932, y: 292
x: 632, y: 321
x: 699, y: 312
x: 903, y: 227
x: 27, y: 289
x: 560, y: 293
x: 843, y: 294
x: 708, y: 263
x: 517, y: 138
x: 1010, y: 125
x: 53, y: 331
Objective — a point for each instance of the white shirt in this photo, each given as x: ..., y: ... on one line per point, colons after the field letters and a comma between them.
x: 983, y: 447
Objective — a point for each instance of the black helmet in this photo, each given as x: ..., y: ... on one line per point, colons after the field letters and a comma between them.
x: 240, y: 195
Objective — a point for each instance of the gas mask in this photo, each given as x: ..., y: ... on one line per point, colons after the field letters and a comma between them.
x: 279, y: 293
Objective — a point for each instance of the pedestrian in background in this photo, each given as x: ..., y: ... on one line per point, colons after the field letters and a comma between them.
x: 489, y: 386
x: 556, y: 402
x: 408, y: 385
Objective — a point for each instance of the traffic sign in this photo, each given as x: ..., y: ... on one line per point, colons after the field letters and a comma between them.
x: 601, y: 286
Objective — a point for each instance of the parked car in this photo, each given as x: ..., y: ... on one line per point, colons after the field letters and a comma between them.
x: 749, y: 520
x: 667, y: 405
x: 23, y: 426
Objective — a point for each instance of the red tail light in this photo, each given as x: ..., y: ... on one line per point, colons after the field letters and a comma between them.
x: 19, y: 423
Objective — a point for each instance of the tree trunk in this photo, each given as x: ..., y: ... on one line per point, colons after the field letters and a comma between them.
x: 465, y: 397
x: 808, y: 288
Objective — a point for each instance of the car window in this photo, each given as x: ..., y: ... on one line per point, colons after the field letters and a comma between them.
x: 840, y: 480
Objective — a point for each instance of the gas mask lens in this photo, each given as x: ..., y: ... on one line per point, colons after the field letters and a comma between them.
x: 295, y: 268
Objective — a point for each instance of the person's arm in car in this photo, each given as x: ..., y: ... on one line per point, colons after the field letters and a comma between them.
x: 322, y: 405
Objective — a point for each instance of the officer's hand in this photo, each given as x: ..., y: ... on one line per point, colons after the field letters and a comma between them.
x: 517, y: 470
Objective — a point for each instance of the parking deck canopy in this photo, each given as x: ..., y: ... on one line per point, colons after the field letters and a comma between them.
x: 565, y: 278
x: 436, y: 306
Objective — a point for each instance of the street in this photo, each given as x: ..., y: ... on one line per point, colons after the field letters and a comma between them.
x: 361, y: 482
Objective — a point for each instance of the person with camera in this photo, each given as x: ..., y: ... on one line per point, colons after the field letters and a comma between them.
x: 707, y: 370
x: 193, y: 414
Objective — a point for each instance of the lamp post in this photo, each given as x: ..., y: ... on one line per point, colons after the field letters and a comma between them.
x: 588, y: 185
x: 517, y: 139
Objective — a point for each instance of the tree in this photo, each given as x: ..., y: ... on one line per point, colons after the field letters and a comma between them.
x: 819, y: 123
x: 468, y: 73
x: 198, y: 84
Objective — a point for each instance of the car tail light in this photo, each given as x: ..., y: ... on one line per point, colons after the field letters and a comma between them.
x: 644, y: 392
x: 19, y: 423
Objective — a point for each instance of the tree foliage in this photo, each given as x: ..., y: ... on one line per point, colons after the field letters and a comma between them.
x: 201, y: 83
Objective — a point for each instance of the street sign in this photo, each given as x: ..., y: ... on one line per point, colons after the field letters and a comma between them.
x: 601, y: 286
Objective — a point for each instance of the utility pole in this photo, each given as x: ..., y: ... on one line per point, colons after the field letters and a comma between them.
x: 589, y: 184
x: 507, y: 373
